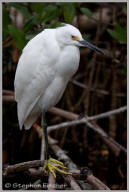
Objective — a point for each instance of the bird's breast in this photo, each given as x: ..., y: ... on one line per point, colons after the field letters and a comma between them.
x: 68, y: 62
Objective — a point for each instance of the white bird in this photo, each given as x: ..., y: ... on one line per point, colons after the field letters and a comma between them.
x: 46, y: 64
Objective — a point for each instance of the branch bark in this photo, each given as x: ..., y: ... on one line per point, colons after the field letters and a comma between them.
x: 71, y: 181
x: 83, y: 174
x: 73, y: 168
x: 86, y: 174
x: 112, y: 144
x: 100, y: 91
x: 86, y: 119
x: 22, y: 166
x: 51, y: 182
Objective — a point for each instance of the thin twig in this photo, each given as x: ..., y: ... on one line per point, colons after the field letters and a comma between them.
x: 63, y: 113
x: 85, y: 119
x: 38, y: 174
x: 96, y: 183
x: 72, y: 182
x: 66, y: 114
x: 72, y: 116
x: 8, y: 98
x: 87, y: 175
x: 7, y: 92
x: 116, y: 147
x: 62, y: 155
x: 95, y: 90
x: 59, y: 152
x: 66, y: 159
x: 107, y: 114
x: 98, y: 130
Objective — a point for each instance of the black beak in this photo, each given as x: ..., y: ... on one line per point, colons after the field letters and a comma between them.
x: 85, y: 43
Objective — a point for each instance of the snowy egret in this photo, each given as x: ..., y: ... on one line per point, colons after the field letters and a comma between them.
x: 45, y: 66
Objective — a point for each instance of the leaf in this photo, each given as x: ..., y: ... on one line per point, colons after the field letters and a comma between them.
x: 50, y: 12
x: 56, y: 24
x: 6, y: 22
x: 69, y: 12
x: 118, y: 27
x: 23, y: 9
x: 38, y: 8
x: 61, y: 4
x: 77, y: 5
x: 30, y: 36
x: 120, y: 33
x: 86, y: 12
x: 18, y: 36
x: 30, y: 23
x: 6, y: 18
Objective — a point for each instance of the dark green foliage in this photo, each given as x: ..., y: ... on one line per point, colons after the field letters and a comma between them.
x: 21, y: 7
x: 29, y: 24
x: 18, y: 36
x: 69, y: 12
x: 38, y: 8
x: 86, y: 12
x: 120, y: 33
x: 45, y: 15
x: 6, y: 22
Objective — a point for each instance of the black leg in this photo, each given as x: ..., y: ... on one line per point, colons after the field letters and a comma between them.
x: 45, y: 136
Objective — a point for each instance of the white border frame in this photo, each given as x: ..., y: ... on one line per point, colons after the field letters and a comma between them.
x: 88, y: 1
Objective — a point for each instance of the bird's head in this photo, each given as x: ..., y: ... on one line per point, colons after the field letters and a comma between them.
x: 70, y: 35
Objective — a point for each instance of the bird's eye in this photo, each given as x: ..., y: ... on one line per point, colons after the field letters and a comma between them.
x: 73, y: 37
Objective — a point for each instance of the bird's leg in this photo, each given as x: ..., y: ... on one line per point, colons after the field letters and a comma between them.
x: 45, y: 137
x: 51, y: 165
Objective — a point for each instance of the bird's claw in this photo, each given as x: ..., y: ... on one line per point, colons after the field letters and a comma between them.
x: 51, y: 165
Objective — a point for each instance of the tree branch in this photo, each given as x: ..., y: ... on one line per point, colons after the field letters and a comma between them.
x: 86, y: 119
x: 71, y: 181
x: 113, y: 145
x: 75, y: 82
x: 51, y: 182
x: 10, y: 169
x: 83, y: 174
x: 73, y: 168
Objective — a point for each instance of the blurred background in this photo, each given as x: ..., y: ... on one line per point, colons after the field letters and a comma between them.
x: 98, y: 86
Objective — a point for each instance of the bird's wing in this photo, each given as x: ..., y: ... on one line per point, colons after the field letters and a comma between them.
x: 33, y: 76
x: 27, y: 65
x: 30, y: 96
x: 29, y: 93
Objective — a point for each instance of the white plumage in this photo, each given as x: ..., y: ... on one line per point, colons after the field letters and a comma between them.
x: 43, y: 72
x: 46, y: 65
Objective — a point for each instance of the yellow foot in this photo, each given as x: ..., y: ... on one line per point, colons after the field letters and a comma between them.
x: 51, y: 165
